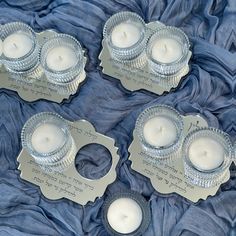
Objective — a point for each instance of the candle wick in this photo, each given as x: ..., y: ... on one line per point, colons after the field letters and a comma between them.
x: 125, y: 35
x: 165, y: 48
x: 15, y: 45
x: 205, y: 153
x: 60, y: 58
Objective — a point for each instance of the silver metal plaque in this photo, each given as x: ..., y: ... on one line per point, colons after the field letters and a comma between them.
x: 70, y: 184
x: 136, y: 78
x: 169, y: 178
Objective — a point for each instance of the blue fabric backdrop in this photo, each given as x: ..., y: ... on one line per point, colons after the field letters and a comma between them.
x: 209, y: 89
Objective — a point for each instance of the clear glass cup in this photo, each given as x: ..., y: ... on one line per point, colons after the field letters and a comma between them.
x: 142, y: 203
x: 66, y: 79
x: 126, y: 54
x: 174, y: 122
x: 168, y: 37
x: 26, y: 60
x: 207, y: 173
x: 60, y: 153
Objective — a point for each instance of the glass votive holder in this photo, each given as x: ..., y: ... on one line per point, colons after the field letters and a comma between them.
x: 207, y: 154
x: 125, y: 34
x: 1, y: 44
x: 167, y: 51
x: 62, y: 59
x: 20, y: 47
x: 46, y: 137
x: 160, y: 132
x: 126, y: 213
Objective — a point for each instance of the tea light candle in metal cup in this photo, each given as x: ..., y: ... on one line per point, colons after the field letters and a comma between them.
x: 207, y: 156
x: 47, y: 139
x: 126, y: 213
x: 160, y: 132
x: 125, y: 34
x: 168, y: 50
x: 63, y: 61
x: 20, y: 50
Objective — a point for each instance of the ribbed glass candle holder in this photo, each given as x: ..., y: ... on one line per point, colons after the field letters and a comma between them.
x: 20, y: 47
x: 125, y: 34
x: 62, y: 59
x: 167, y: 51
x: 207, y: 154
x: 160, y: 132
x: 47, y: 138
x: 126, y: 205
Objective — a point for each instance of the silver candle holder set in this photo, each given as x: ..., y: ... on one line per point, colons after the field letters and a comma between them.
x: 50, y: 64
x: 50, y: 144
x: 144, y: 56
x: 180, y: 153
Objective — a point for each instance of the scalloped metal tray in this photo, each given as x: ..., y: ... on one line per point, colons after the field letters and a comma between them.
x: 169, y: 178
x: 137, y: 78
x: 70, y: 184
x: 30, y: 88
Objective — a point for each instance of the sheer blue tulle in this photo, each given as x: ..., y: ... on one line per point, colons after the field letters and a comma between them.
x: 209, y: 89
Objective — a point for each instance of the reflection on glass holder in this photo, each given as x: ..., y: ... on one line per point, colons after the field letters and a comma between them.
x: 47, y: 138
x: 207, y: 154
x: 62, y: 58
x: 160, y: 131
x: 126, y: 213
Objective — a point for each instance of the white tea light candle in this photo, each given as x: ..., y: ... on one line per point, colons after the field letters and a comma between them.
x: 160, y: 131
x: 61, y: 58
x: 47, y: 138
x: 63, y: 61
x: 124, y: 215
x: 20, y: 48
x: 17, y: 45
x: 166, y: 50
x: 125, y: 35
x: 206, y: 153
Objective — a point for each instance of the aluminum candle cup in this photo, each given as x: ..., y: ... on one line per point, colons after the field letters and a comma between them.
x: 126, y: 213
x: 63, y: 62
x: 167, y: 51
x: 20, y: 50
x: 125, y: 34
x: 207, y: 156
x: 46, y: 137
x: 160, y: 132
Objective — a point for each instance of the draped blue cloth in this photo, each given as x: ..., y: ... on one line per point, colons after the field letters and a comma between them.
x: 209, y: 89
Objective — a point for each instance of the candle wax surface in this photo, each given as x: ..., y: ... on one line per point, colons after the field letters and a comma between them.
x: 160, y: 131
x: 17, y: 45
x: 206, y: 153
x: 125, y: 35
x: 61, y: 58
x: 124, y: 215
x: 166, y: 50
x: 47, y: 138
